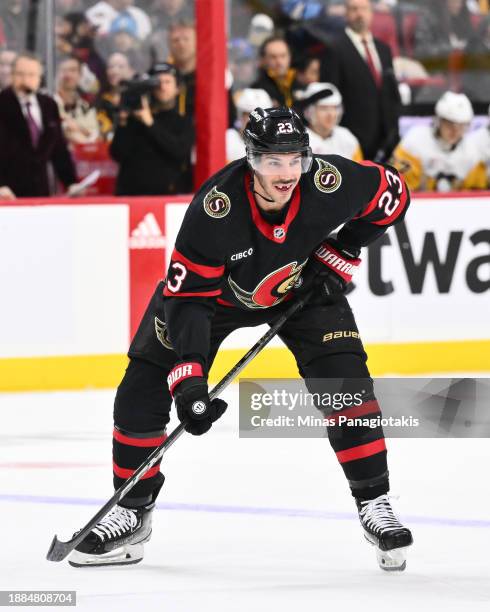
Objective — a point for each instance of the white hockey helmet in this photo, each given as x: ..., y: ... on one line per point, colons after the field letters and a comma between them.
x: 331, y: 95
x: 454, y: 107
x: 249, y: 99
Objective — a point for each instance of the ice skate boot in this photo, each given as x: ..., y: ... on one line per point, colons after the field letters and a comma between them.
x: 382, y: 529
x: 116, y: 540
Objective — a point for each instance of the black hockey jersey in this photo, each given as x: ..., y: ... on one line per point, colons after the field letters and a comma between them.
x: 227, y: 253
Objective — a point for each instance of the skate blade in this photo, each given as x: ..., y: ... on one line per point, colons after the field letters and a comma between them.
x: 125, y: 555
x: 392, y: 560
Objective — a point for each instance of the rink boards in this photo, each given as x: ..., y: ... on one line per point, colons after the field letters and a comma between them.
x: 75, y: 277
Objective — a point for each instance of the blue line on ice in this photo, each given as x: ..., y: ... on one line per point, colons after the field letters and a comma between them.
x: 264, y: 511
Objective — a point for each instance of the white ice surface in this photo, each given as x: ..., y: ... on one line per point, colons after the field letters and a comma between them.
x: 222, y: 538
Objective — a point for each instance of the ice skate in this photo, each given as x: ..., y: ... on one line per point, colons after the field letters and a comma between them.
x: 116, y: 540
x: 382, y: 529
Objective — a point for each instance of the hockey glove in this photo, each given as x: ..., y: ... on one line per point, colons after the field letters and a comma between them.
x: 329, y: 271
x: 189, y: 388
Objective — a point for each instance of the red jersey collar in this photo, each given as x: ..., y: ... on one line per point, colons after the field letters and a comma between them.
x: 276, y: 233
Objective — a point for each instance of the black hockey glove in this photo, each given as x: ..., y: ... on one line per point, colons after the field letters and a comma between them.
x: 189, y: 388
x: 329, y: 271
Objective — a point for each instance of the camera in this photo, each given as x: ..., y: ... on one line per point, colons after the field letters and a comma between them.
x: 131, y: 91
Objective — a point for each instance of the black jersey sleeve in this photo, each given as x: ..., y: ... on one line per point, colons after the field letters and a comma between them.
x: 193, y: 283
x: 379, y: 197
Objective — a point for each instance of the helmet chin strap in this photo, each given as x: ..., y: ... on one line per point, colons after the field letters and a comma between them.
x: 256, y: 192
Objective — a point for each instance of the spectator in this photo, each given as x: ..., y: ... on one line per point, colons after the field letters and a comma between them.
x: 446, y: 27
x: 153, y: 144
x: 166, y: 12
x: 480, y: 141
x: 13, y: 14
x: 261, y: 28
x: 275, y: 74
x: 163, y: 14
x: 307, y: 71
x: 112, y: 15
x: 241, y: 62
x: 323, y: 111
x: 441, y: 157
x: 304, y: 10
x: 118, y: 69
x: 321, y: 16
x: 476, y: 78
x: 247, y: 100
x: 75, y: 36
x: 182, y: 46
x: 362, y: 68
x: 31, y: 135
x: 6, y: 62
x: 122, y: 40
x: 78, y: 118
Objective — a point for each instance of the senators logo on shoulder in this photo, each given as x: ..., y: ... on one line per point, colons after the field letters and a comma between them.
x: 327, y: 178
x: 217, y: 204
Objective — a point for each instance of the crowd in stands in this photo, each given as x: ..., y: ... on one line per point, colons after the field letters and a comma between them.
x: 351, y: 68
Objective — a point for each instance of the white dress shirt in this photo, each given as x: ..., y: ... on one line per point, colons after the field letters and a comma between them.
x: 358, y: 44
x: 34, y: 108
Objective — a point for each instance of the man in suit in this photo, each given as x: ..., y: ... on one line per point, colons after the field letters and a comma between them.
x: 31, y: 136
x: 362, y: 68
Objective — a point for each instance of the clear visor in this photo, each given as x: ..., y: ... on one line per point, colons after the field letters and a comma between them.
x: 280, y: 164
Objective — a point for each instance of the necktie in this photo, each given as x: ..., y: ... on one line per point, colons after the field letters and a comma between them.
x: 371, y: 64
x: 33, y: 126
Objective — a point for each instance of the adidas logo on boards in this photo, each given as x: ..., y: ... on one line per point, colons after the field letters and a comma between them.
x: 147, y: 235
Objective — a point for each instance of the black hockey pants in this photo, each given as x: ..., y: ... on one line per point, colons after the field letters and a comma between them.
x: 325, y: 342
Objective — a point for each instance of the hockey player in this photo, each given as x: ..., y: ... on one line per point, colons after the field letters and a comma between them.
x: 246, y: 101
x: 323, y: 114
x: 440, y: 157
x: 254, y: 234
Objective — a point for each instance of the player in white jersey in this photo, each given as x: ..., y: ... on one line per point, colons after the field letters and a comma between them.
x: 480, y: 140
x: 246, y: 101
x: 323, y: 116
x: 441, y: 157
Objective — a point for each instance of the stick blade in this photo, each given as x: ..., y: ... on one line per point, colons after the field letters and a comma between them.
x: 59, y: 550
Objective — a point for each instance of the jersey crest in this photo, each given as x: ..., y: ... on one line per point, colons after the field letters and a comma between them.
x: 327, y: 178
x: 216, y: 203
x: 272, y: 289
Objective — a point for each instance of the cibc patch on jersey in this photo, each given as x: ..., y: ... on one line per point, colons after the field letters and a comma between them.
x: 216, y: 203
x: 327, y: 178
x: 272, y: 289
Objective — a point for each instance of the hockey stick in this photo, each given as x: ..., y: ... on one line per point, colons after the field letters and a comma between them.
x: 60, y: 550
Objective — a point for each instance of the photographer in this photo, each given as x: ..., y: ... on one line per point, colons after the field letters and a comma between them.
x: 153, y: 142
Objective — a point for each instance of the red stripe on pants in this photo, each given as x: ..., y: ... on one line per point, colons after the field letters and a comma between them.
x: 370, y: 407
x: 362, y: 451
x: 145, y: 442
x: 125, y: 473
